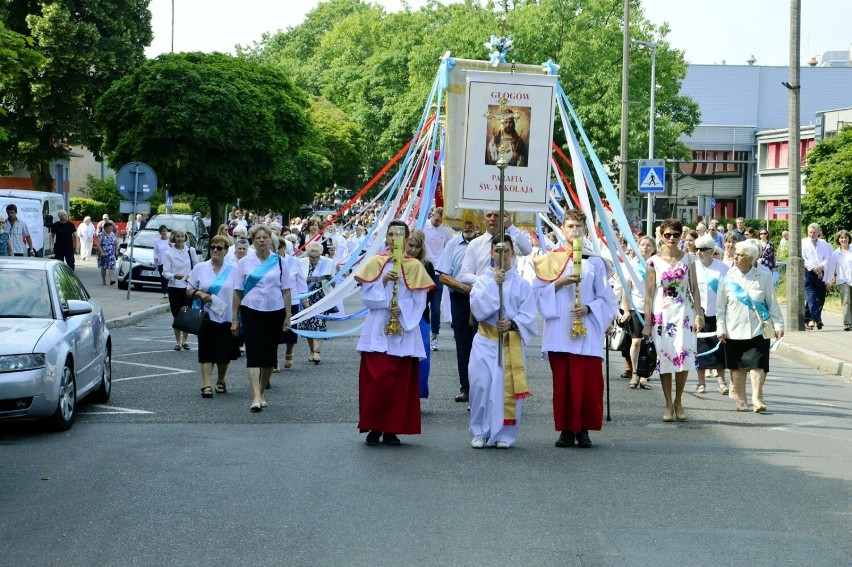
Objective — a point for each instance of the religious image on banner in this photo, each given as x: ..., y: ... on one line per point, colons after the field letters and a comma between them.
x: 509, y: 115
x: 513, y: 130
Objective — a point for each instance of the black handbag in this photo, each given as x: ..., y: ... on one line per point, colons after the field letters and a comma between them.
x: 618, y: 336
x: 646, y: 362
x: 190, y: 320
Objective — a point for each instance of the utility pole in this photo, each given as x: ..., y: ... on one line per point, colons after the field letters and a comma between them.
x: 625, y: 87
x: 795, y: 263
x: 173, y: 26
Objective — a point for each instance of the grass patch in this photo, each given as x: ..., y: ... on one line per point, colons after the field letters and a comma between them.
x: 832, y: 298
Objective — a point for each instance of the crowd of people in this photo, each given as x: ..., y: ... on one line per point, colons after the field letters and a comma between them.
x: 704, y: 297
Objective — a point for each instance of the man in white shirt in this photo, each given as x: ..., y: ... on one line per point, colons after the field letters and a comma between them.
x: 816, y: 253
x: 477, y: 257
x: 437, y: 236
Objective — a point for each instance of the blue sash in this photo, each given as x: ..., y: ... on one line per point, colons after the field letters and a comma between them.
x: 257, y: 275
x: 215, y: 286
x: 737, y: 291
x: 641, y: 270
x: 712, y: 280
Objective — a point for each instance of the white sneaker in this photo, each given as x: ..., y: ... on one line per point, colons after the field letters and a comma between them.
x: 435, y: 344
x: 502, y: 445
x: 478, y: 442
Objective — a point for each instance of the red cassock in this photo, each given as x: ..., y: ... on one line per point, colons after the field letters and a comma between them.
x: 389, y: 393
x: 577, y: 391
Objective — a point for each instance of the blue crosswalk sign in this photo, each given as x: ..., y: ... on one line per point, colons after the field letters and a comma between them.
x: 652, y: 176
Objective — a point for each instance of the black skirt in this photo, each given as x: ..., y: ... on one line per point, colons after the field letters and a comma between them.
x: 716, y: 359
x: 261, y: 331
x: 178, y: 299
x: 635, y: 325
x: 288, y: 337
x: 751, y: 354
x: 216, y: 344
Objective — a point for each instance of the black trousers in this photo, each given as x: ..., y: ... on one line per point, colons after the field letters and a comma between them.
x: 463, y: 333
x: 66, y: 256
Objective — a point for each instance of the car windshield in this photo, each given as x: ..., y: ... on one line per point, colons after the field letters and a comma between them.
x: 145, y: 238
x: 24, y: 293
x: 186, y: 224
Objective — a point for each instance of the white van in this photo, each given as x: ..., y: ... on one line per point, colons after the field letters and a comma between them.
x: 39, y: 210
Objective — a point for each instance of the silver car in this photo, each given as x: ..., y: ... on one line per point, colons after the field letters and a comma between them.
x: 55, y: 348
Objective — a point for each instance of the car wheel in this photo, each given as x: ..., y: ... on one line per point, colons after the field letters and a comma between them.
x: 66, y: 407
x: 122, y: 284
x: 101, y: 395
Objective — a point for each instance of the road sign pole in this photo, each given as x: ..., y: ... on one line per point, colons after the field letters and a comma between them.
x: 133, y: 224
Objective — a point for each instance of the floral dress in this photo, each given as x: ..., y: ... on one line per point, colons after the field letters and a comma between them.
x: 4, y: 243
x: 107, y: 244
x: 314, y: 323
x: 673, y: 315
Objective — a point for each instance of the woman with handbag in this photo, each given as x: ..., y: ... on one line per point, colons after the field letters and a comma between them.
x: 262, y: 299
x: 211, y: 284
x: 673, y: 314
x: 636, y: 317
x: 747, y: 316
x: 317, y: 270
x: 178, y: 262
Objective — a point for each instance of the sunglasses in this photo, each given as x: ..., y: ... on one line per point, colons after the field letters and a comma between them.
x: 670, y: 235
x: 704, y: 249
x: 763, y: 233
x: 217, y: 248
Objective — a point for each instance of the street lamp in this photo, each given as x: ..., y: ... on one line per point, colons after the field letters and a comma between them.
x: 649, y: 228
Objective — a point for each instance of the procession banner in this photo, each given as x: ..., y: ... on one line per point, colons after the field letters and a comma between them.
x: 512, y: 113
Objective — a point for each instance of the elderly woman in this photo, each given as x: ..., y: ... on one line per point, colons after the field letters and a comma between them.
x: 839, y: 273
x: 107, y: 249
x: 212, y: 284
x: 673, y: 314
x: 709, y: 273
x: 178, y: 262
x: 86, y: 234
x: 745, y: 300
x: 299, y: 287
x: 317, y: 270
x: 5, y: 243
x: 262, y: 298
x: 415, y: 247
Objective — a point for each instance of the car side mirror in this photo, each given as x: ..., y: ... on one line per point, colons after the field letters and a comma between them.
x: 76, y: 307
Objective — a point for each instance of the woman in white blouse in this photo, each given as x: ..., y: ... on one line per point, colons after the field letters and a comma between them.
x: 161, y: 246
x: 262, y: 299
x: 299, y: 287
x: 177, y: 264
x: 216, y: 345
x: 839, y: 273
x: 710, y: 274
x: 86, y: 234
x: 317, y: 271
x: 745, y: 298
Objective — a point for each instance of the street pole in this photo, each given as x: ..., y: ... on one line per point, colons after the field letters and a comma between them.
x: 649, y: 220
x: 173, y: 26
x: 625, y: 88
x: 795, y: 263
x: 136, y: 172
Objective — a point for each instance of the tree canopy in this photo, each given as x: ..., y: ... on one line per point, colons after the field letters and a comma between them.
x: 82, y: 48
x: 828, y: 178
x: 216, y: 125
x: 378, y: 67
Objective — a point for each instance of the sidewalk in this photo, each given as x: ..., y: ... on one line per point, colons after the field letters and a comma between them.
x: 118, y: 310
x: 828, y: 350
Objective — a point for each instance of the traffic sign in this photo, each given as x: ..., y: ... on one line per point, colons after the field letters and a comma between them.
x: 136, y: 177
x: 652, y: 175
x: 713, y: 203
x: 781, y: 210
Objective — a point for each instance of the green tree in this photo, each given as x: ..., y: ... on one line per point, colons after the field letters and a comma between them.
x: 104, y: 191
x: 213, y: 125
x: 828, y: 179
x: 17, y: 58
x: 84, y: 46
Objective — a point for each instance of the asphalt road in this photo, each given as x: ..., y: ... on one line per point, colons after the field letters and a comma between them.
x: 161, y: 476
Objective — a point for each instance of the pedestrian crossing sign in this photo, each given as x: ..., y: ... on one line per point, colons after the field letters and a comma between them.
x: 652, y: 176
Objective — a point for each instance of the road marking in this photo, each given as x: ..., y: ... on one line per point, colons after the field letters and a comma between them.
x: 143, y: 352
x: 797, y: 428
x: 170, y: 371
x: 114, y: 410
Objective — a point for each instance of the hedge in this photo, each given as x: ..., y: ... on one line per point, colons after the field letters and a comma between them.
x: 177, y: 209
x: 81, y: 207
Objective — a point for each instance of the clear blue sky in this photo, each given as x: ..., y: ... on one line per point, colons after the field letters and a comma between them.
x: 709, y: 32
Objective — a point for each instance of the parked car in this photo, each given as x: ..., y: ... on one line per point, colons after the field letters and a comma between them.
x: 145, y: 273
x: 190, y: 224
x: 55, y: 348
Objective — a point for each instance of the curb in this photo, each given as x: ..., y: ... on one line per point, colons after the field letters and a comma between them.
x: 128, y: 320
x: 816, y: 360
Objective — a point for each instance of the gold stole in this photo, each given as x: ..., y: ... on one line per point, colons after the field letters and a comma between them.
x: 514, y: 375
